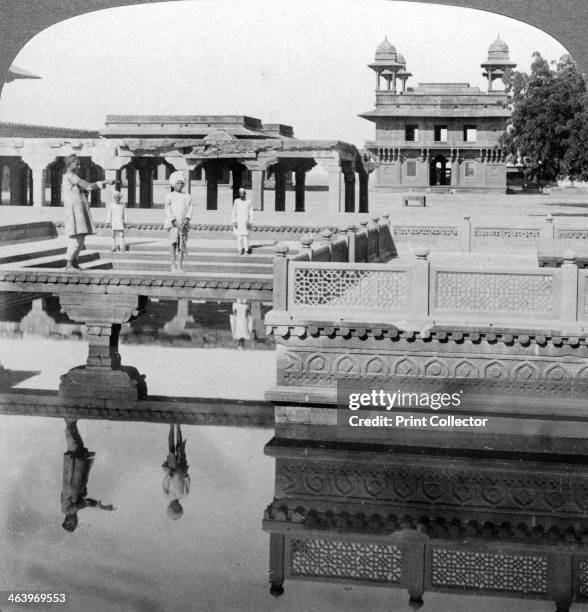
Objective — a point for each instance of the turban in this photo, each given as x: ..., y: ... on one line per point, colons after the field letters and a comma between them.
x: 174, y: 177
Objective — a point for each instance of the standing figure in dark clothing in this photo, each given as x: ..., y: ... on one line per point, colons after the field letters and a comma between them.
x: 176, y: 482
x: 77, y: 462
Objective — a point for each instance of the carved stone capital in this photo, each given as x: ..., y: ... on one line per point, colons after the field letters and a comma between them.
x: 100, y: 309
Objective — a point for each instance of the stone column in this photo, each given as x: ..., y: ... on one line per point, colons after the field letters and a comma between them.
x: 300, y: 176
x: 56, y: 179
x: 237, y: 176
x: 16, y: 186
x: 257, y: 180
x: 363, y: 192
x: 349, y: 178
x: 569, y: 287
x: 212, y: 178
x: 280, y: 188
x: 146, y: 186
x: 280, y: 289
x: 38, y: 165
x: 131, y: 186
x: 418, y: 286
x: 351, y: 243
x: 258, y: 169
x: 335, y: 180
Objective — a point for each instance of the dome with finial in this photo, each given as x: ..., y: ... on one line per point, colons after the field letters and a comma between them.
x: 498, y: 51
x: 400, y: 59
x: 386, y: 51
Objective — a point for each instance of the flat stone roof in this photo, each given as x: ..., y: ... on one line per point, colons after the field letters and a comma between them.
x: 194, y: 126
x: 24, y: 130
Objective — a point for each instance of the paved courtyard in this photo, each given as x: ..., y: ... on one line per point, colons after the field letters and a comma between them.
x: 569, y: 205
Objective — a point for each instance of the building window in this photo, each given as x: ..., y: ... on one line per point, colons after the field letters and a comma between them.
x: 411, y: 133
x: 410, y: 168
x: 470, y: 133
x: 470, y: 169
x: 440, y: 133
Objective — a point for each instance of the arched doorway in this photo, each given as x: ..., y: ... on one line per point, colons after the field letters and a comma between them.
x: 439, y: 171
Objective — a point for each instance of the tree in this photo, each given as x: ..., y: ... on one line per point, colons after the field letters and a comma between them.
x: 548, y: 128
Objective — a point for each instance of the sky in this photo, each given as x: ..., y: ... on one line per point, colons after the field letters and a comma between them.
x: 301, y: 63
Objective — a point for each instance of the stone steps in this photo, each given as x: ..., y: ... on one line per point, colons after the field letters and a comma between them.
x: 211, y: 267
x: 227, y: 247
x: 27, y: 256
x: 198, y: 256
x: 59, y: 261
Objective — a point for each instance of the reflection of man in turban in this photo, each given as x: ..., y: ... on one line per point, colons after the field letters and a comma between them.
x: 77, y: 462
x: 176, y: 482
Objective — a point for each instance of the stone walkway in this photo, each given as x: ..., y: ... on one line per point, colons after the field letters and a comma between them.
x: 569, y: 206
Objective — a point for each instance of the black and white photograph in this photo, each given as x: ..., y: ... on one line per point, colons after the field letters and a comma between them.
x: 293, y: 306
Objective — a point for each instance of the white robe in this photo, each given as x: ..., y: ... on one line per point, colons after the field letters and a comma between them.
x: 178, y: 206
x: 242, y: 215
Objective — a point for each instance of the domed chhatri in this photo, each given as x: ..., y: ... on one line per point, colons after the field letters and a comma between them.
x: 498, y: 50
x: 387, y: 63
x: 386, y: 50
x: 498, y: 61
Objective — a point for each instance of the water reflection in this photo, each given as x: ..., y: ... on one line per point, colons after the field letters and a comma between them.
x: 241, y: 322
x: 182, y: 322
x: 176, y: 482
x: 340, y: 513
x: 77, y: 463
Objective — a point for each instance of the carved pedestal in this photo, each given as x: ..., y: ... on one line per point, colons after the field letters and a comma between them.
x: 102, y: 377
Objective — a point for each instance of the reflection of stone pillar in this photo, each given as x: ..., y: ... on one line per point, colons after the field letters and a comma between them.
x: 182, y: 318
x: 299, y: 190
x: 102, y: 377
x: 363, y: 192
x: 280, y: 188
x: 131, y: 187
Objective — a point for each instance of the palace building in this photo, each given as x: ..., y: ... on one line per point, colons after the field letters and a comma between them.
x: 213, y: 150
x: 438, y: 136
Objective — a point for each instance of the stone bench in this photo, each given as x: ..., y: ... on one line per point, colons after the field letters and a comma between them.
x: 421, y: 199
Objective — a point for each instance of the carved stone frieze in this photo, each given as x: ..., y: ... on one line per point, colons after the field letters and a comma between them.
x: 470, y: 490
x: 304, y: 366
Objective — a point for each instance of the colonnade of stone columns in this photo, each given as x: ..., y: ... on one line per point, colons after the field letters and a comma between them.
x: 19, y: 181
x: 29, y: 176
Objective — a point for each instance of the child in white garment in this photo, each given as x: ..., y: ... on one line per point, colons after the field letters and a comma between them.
x: 117, y: 219
x: 178, y: 212
x: 242, y: 219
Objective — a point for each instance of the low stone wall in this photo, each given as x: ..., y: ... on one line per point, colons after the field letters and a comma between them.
x: 27, y: 232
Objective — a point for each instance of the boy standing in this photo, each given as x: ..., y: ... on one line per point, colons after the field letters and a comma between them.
x: 117, y: 218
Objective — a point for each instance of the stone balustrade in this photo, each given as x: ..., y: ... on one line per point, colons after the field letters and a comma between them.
x: 467, y: 236
x: 419, y: 293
